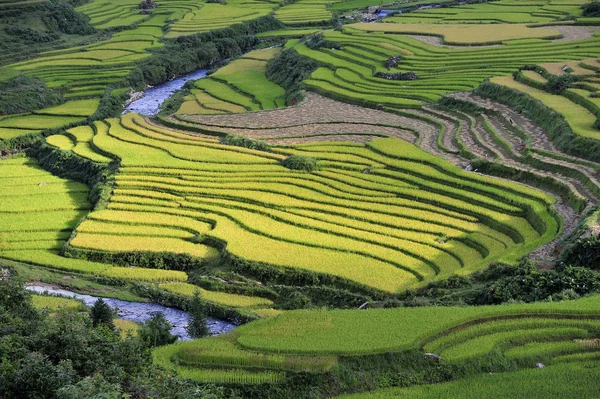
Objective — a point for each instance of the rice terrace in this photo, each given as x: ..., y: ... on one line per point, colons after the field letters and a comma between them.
x: 299, y: 199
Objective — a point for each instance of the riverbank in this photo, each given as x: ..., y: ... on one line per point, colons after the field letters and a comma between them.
x: 137, y: 312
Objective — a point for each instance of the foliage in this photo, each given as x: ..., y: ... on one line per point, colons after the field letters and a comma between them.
x: 317, y: 41
x: 102, y: 314
x: 585, y: 252
x: 288, y: 70
x: 197, y: 327
x: 63, y: 356
x: 187, y: 53
x: 156, y: 331
x: 96, y: 387
x: 241, y: 141
x: 591, y: 9
x: 558, y: 84
x: 25, y: 94
x: 299, y: 162
x: 61, y: 16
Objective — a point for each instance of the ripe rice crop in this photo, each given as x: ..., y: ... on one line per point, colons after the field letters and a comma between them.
x: 98, y: 227
x: 234, y: 300
x: 126, y: 327
x: 117, y: 243
x: 37, y: 121
x: 150, y: 218
x: 347, y: 219
x: 73, y: 108
x: 54, y: 303
x: 60, y: 141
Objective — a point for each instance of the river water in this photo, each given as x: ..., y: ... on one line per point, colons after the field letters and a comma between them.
x: 140, y: 312
x: 154, y: 97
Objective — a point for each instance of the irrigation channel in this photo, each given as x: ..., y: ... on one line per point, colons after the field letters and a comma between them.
x: 140, y: 312
x: 149, y: 105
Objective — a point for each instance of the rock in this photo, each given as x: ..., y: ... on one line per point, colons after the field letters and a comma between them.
x: 539, y: 365
x: 433, y: 356
x: 373, y: 9
x: 42, y: 184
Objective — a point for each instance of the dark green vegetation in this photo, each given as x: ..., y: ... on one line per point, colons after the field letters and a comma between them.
x: 30, y: 27
x: 64, y: 356
x: 25, y: 94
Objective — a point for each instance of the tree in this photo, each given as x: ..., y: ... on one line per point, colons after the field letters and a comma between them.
x: 157, y: 331
x: 102, y: 314
x: 197, y: 327
x: 37, y: 377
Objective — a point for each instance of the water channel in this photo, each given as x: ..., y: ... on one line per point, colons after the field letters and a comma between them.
x: 154, y: 97
x: 140, y: 312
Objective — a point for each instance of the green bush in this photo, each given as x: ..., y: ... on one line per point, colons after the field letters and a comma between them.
x: 528, y: 284
x: 300, y: 162
x: 584, y: 252
x: 591, y: 10
x: 241, y: 141
x: 558, y: 84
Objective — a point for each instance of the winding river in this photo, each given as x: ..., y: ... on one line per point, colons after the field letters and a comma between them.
x: 140, y: 312
x: 154, y: 97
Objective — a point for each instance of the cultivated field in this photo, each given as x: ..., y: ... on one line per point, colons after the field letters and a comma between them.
x: 401, y: 208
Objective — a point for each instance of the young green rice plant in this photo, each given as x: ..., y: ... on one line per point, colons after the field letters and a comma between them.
x: 561, y: 381
x: 335, y: 332
x: 222, y: 352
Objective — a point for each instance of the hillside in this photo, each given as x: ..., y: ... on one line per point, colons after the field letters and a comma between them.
x: 345, y: 199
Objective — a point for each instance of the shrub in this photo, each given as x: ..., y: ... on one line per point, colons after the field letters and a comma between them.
x: 317, y: 41
x: 241, y: 141
x: 585, y: 252
x: 300, y: 162
x: 591, y: 9
x: 558, y: 84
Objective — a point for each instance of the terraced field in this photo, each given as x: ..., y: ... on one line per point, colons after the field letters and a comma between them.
x: 108, y: 14
x: 502, y: 11
x: 38, y: 215
x: 211, y: 16
x: 391, y: 178
x: 238, y: 87
x: 549, y: 333
x: 305, y: 12
x: 294, y: 217
x: 350, y: 73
